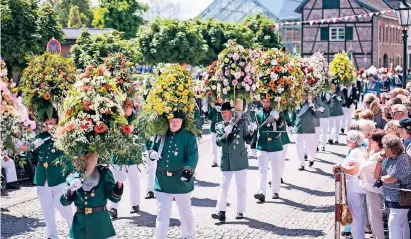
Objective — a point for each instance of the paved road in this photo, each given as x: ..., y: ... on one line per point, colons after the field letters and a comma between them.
x: 305, y: 210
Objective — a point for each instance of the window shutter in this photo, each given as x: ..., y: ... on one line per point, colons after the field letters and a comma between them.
x: 331, y: 4
x: 324, y: 34
x: 349, y: 33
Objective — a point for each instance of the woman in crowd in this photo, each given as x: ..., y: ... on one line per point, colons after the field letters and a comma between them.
x: 372, y: 103
x: 366, y: 114
x: 355, y: 193
x: 393, y: 127
x: 393, y: 169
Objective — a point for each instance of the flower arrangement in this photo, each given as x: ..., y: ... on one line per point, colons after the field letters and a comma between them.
x: 342, y: 68
x: 144, y: 83
x: 321, y: 68
x: 45, y: 83
x: 171, y: 92
x: 211, y: 81
x: 118, y: 66
x: 94, y: 118
x: 279, y: 76
x: 314, y: 75
x: 236, y: 74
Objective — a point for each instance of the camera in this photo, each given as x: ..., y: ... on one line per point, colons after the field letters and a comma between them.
x: 378, y: 184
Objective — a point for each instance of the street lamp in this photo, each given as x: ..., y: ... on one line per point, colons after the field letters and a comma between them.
x: 403, y: 10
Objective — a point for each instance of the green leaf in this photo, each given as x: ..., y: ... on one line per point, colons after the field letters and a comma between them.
x: 50, y: 111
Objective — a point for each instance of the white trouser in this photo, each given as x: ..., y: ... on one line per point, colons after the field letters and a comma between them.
x: 347, y: 117
x: 241, y: 183
x: 398, y: 224
x: 355, y: 204
x: 151, y: 174
x: 10, y: 169
x: 214, y: 148
x: 276, y: 159
x: 133, y: 178
x: 335, y: 126
x: 324, y: 124
x: 282, y: 165
x: 374, y: 205
x: 164, y: 206
x: 317, y: 137
x: 50, y: 199
x: 309, y: 143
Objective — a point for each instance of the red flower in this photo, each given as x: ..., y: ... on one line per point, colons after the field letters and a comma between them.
x: 123, y: 63
x: 100, y: 128
x: 121, y: 81
x: 70, y: 127
x: 43, y: 84
x: 86, y: 87
x: 126, y: 129
x: 87, y: 104
x: 47, y: 96
x: 69, y: 112
x: 100, y: 71
x: 69, y: 79
x: 209, y: 93
x: 107, y: 87
x: 129, y: 103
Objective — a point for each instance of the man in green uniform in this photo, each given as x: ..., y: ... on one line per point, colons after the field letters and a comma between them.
x: 253, y: 108
x: 234, y: 160
x: 50, y: 179
x: 324, y: 118
x: 336, y: 113
x: 269, y: 148
x: 214, y: 116
x: 177, y: 156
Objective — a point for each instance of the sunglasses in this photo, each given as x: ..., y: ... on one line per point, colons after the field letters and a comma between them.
x: 396, y: 112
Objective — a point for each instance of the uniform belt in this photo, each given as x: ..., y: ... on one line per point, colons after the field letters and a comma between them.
x: 169, y: 173
x: 90, y: 210
x: 46, y: 164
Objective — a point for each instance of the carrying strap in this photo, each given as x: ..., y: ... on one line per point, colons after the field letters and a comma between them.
x: 160, y: 148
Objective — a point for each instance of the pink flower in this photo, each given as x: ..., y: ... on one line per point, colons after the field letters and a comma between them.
x: 248, y: 68
x: 236, y: 57
x: 242, y: 63
x: 237, y: 75
x: 235, y: 82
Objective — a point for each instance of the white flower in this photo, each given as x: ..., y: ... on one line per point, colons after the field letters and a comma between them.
x: 274, y: 62
x: 280, y: 90
x: 225, y: 82
x: 213, y: 87
x: 224, y: 91
x: 277, y: 98
x: 253, y: 87
x: 247, y: 87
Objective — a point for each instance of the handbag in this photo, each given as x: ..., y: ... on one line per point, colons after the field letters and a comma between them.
x: 346, y: 216
x: 405, y: 196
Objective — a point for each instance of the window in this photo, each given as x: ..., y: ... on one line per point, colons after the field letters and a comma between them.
x: 337, y: 33
x: 331, y: 4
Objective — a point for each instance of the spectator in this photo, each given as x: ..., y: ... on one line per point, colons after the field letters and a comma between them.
x: 367, y: 114
x: 367, y: 127
x: 10, y: 169
x: 374, y: 196
x: 355, y: 193
x: 398, y: 112
x: 393, y: 127
x: 372, y: 103
x: 393, y: 167
x: 357, y: 114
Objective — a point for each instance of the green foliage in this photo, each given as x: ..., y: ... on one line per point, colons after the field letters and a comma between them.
x: 26, y: 27
x: 173, y: 41
x: 74, y: 17
x: 262, y: 28
x: 122, y: 15
x: 92, y: 50
x: 64, y: 9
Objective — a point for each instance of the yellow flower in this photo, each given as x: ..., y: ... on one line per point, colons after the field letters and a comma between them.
x: 181, y: 87
x: 170, y: 116
x: 186, y: 92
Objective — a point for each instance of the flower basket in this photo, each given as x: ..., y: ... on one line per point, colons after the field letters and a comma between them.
x: 280, y: 79
x: 342, y: 68
x: 45, y: 83
x: 236, y: 75
x: 322, y: 69
x: 313, y: 75
x: 211, y: 82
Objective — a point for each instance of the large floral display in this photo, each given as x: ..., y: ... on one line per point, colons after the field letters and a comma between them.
x: 342, y: 68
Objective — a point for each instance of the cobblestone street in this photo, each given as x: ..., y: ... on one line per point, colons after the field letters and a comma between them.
x: 305, y: 210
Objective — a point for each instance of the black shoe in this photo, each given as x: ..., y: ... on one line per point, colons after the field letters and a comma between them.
x: 276, y: 196
x: 330, y: 141
x: 113, y: 213
x: 12, y: 186
x: 269, y: 183
x: 305, y: 156
x: 260, y: 197
x: 336, y: 142
x: 150, y: 195
x: 301, y: 168
x: 239, y: 216
x: 214, y: 165
x: 342, y: 131
x: 317, y: 149
x: 323, y: 148
x: 220, y: 216
x: 135, y: 209
x: 282, y: 180
x: 311, y: 163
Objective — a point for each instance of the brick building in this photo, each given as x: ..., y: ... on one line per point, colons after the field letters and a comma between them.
x: 373, y: 40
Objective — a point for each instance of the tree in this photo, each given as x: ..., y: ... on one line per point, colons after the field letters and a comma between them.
x: 64, y: 7
x: 263, y: 29
x: 122, y: 15
x: 91, y: 50
x: 74, y: 17
x: 26, y: 29
x: 172, y: 41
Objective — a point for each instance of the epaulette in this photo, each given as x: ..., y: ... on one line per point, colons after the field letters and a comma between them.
x: 102, y: 168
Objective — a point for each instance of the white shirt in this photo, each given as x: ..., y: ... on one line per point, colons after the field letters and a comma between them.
x: 353, y: 183
x: 367, y: 173
x: 349, y: 89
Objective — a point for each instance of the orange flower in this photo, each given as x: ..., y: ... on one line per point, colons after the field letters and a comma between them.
x: 267, y: 96
x: 69, y: 112
x: 100, y: 71
x: 107, y: 87
x: 273, y: 88
x: 283, y: 100
x: 282, y: 81
x: 272, y: 83
x: 289, y: 81
x: 87, y: 104
x: 292, y: 92
x: 277, y: 68
x: 121, y: 81
x: 69, y: 79
x: 123, y: 63
x: 69, y: 127
x: 100, y: 128
x: 47, y: 96
x: 279, y: 60
x: 86, y: 87
x: 126, y: 129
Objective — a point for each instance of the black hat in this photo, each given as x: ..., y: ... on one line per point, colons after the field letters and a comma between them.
x: 226, y: 106
x: 405, y: 123
x: 178, y: 115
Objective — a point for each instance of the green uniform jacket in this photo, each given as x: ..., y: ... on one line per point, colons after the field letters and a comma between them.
x: 285, y: 116
x: 180, y: 151
x: 267, y: 141
x: 97, y: 224
x: 46, y: 167
x: 318, y: 104
x: 198, y: 119
x: 304, y: 124
x: 215, y: 118
x: 326, y: 104
x: 234, y: 154
x: 336, y: 106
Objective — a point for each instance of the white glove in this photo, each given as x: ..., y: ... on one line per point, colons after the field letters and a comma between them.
x: 228, y: 129
x: 121, y: 175
x: 75, y: 184
x: 275, y: 114
x: 218, y: 108
x: 37, y: 143
x: 153, y: 155
x: 321, y: 109
x: 311, y: 105
x: 204, y: 108
x: 327, y: 97
x: 290, y: 129
x: 252, y: 126
x: 339, y: 98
